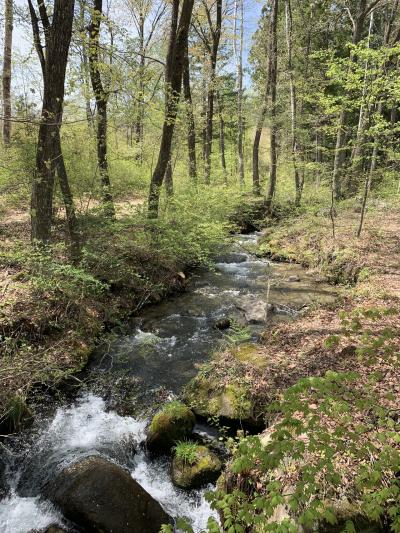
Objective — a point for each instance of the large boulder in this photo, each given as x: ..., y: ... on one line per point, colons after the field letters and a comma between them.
x: 102, y: 497
x: 255, y: 310
x: 173, y: 423
x: 204, y: 468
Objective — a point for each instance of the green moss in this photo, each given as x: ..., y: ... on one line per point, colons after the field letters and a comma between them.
x: 205, y: 468
x: 173, y: 423
x: 250, y: 354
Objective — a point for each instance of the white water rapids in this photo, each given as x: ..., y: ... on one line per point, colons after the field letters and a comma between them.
x: 86, y: 428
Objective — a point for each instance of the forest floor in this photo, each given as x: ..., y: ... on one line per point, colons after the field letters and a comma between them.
x: 52, y: 314
x: 367, y: 274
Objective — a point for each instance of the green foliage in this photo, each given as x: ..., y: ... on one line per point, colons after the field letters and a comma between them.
x: 186, y: 451
x: 47, y: 271
x: 320, y: 420
x: 238, y: 333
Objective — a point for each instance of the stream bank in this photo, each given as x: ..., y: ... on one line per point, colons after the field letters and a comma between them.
x: 160, y: 355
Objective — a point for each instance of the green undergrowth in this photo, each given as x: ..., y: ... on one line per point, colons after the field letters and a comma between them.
x: 53, y: 311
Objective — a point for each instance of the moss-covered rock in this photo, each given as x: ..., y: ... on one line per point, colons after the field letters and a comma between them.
x: 216, y: 393
x: 205, y: 468
x: 174, y: 422
x: 207, y: 399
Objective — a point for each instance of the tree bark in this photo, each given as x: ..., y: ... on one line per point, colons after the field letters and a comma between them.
x: 222, y: 137
x: 216, y: 36
x: 362, y: 11
x: 169, y: 183
x: 293, y: 104
x: 274, y: 127
x: 239, y: 70
x: 48, y: 156
x: 173, y: 76
x: 101, y: 97
x: 191, y: 129
x: 8, y: 34
x: 261, y: 119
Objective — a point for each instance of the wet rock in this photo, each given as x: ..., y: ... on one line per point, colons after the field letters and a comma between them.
x: 102, y: 497
x: 293, y: 279
x: 255, y: 310
x: 207, y: 399
x: 205, y: 469
x: 223, y: 323
x: 232, y: 257
x: 174, y: 422
x: 3, y: 482
x: 55, y: 529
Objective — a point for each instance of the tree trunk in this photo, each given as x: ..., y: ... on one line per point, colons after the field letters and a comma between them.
x: 222, y: 137
x: 72, y: 221
x: 8, y: 34
x: 293, y: 104
x: 169, y: 184
x: 239, y: 69
x: 140, y: 101
x: 274, y: 127
x: 101, y: 97
x: 339, y: 159
x: 57, y: 42
x: 191, y: 129
x: 216, y: 35
x: 173, y: 76
x: 84, y: 68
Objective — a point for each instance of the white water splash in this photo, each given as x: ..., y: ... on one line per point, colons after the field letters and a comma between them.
x: 21, y: 515
x: 87, y: 425
x: 155, y: 479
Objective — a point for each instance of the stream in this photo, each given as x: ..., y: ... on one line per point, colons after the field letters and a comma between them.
x: 157, y: 357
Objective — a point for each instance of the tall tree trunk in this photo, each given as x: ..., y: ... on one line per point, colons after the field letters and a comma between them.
x: 274, y: 126
x: 57, y: 41
x: 191, y: 129
x: 169, y: 183
x: 8, y: 34
x: 293, y: 103
x: 84, y: 69
x: 216, y: 36
x: 357, y: 152
x: 362, y: 11
x: 101, y: 97
x: 140, y: 101
x: 222, y: 137
x: 173, y: 76
x: 239, y: 69
x: 261, y: 117
x: 72, y: 221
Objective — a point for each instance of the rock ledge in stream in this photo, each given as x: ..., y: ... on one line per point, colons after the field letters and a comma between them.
x: 204, y: 470
x: 255, y: 310
x: 102, y: 497
x: 174, y: 422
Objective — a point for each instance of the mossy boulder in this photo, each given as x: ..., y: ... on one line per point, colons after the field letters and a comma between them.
x: 205, y: 469
x: 209, y: 399
x: 174, y: 422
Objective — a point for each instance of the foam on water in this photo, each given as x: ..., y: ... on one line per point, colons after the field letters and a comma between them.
x: 155, y: 479
x: 20, y: 515
x: 87, y: 425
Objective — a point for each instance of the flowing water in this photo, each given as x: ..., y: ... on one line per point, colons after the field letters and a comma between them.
x: 160, y: 352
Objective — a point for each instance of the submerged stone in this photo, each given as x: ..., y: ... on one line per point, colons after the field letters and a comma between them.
x: 205, y: 469
x: 174, y: 422
x: 102, y: 497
